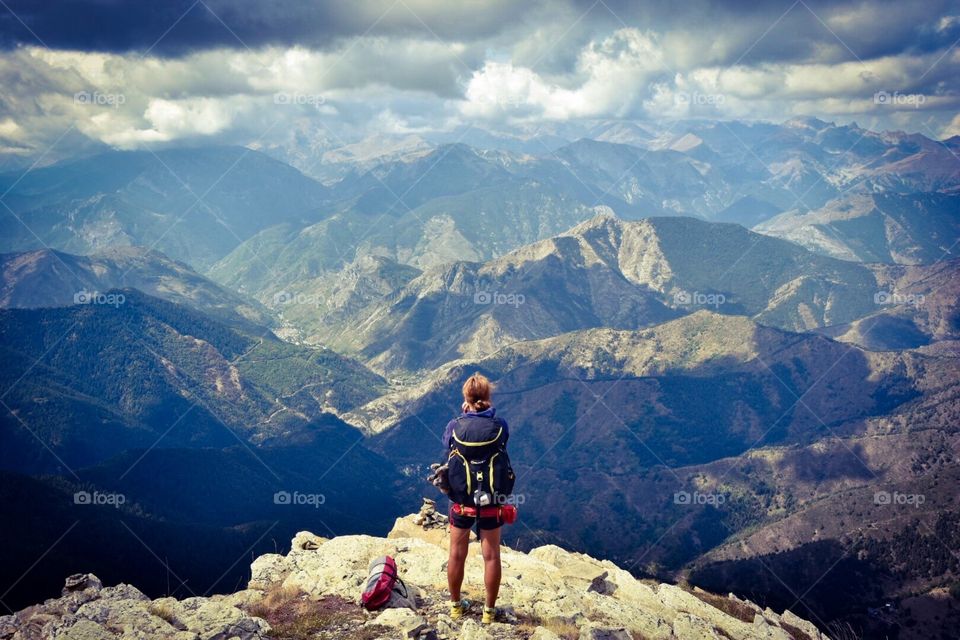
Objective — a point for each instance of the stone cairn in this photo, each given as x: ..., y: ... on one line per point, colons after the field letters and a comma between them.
x: 428, y: 517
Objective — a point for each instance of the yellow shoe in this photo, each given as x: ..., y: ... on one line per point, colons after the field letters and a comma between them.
x: 489, y: 615
x: 457, y: 608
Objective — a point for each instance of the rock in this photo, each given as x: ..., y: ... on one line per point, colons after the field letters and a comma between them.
x: 571, y: 565
x: 592, y: 632
x: 407, y: 527
x: 84, y: 630
x: 122, y: 592
x: 445, y: 626
x: 471, y: 630
x: 81, y: 582
x: 804, y: 625
x: 243, y: 599
x: 764, y: 628
x: 306, y: 541
x: 90, y: 612
x: 403, y: 619
x: 268, y: 569
x: 601, y: 585
x: 7, y: 627
x: 688, y: 626
x: 557, y: 613
x: 406, y: 622
x: 542, y: 633
x: 418, y: 631
x: 595, y: 599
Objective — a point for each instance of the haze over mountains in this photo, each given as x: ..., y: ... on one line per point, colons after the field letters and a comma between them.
x: 763, y: 312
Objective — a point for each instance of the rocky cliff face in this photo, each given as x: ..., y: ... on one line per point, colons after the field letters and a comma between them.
x: 311, y: 592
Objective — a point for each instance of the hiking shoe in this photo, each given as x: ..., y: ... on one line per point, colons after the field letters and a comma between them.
x: 458, y: 608
x: 489, y: 615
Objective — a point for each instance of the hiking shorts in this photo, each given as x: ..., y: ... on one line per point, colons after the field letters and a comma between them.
x: 467, y: 522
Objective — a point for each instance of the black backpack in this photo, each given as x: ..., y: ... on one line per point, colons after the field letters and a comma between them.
x: 479, y: 462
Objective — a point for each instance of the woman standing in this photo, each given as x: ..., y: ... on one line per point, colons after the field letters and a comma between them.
x: 481, y: 480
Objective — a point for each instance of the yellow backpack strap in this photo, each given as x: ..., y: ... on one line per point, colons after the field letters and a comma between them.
x: 478, y: 444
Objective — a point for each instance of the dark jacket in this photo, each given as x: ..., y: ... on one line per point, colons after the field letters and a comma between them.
x: 488, y: 413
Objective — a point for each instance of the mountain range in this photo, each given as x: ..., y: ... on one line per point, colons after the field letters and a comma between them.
x: 605, y: 272
x: 719, y: 345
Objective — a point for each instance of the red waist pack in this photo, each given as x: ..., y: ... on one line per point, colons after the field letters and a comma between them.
x: 506, y: 514
x: 381, y: 582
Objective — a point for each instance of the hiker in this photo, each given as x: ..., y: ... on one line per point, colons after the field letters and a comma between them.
x: 480, y: 481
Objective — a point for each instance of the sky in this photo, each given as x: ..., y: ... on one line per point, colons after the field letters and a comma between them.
x: 77, y: 75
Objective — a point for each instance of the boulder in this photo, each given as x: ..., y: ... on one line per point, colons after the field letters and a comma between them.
x: 405, y: 621
x: 89, y: 611
x: 542, y: 633
x: 591, y: 631
x: 472, y: 630
x: 81, y: 582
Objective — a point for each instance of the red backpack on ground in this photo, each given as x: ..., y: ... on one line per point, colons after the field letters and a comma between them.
x: 381, y: 582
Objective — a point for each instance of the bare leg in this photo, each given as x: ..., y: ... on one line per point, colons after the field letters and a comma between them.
x: 490, y: 544
x: 459, y: 542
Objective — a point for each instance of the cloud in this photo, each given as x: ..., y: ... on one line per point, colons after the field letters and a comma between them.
x: 180, y: 27
x: 628, y: 74
x: 613, y: 74
x: 331, y: 73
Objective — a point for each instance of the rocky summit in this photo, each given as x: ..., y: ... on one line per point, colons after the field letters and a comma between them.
x: 312, y: 592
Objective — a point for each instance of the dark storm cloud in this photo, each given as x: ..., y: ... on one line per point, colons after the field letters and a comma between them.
x: 748, y: 32
x: 176, y: 27
x: 791, y: 30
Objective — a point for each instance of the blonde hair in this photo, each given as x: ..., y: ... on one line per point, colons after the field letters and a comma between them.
x: 476, y: 393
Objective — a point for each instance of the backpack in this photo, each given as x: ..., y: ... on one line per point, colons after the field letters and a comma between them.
x: 381, y: 582
x: 478, y: 465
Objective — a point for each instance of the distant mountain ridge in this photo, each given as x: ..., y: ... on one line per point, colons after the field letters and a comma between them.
x: 916, y: 228
x: 194, y: 205
x: 422, y: 202
x: 47, y: 278
x: 605, y: 272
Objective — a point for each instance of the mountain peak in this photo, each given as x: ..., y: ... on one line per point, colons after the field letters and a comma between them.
x: 605, y: 218
x: 807, y: 122
x: 547, y: 589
